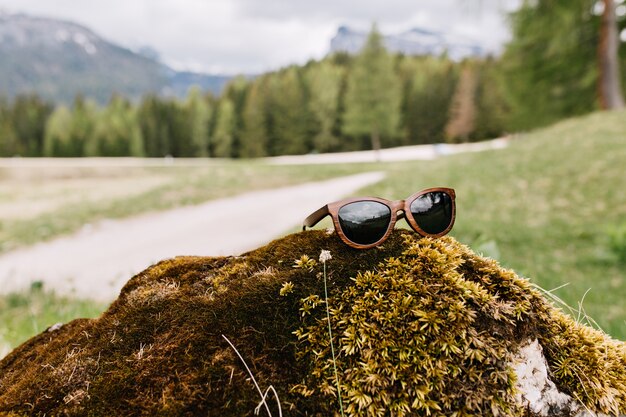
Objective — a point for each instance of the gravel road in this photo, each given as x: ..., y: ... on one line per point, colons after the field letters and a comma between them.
x: 402, y: 153
x: 97, y: 261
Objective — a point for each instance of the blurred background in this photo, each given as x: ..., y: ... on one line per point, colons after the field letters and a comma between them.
x: 118, y: 112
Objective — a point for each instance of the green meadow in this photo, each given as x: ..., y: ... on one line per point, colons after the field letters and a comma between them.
x: 551, y: 206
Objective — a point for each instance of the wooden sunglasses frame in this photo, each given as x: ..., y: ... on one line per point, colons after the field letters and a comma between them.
x: 399, y: 206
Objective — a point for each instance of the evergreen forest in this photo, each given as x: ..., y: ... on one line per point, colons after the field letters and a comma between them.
x: 375, y: 99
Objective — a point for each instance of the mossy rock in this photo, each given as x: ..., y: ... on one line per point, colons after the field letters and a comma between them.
x: 420, y: 327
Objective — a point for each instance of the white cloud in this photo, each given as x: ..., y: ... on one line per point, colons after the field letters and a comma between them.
x: 252, y: 35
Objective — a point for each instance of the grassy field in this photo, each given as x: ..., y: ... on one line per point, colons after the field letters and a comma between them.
x: 551, y: 207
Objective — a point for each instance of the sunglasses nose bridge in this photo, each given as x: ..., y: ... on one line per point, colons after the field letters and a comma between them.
x: 398, y: 209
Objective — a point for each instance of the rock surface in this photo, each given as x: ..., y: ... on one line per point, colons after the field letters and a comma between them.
x: 420, y: 327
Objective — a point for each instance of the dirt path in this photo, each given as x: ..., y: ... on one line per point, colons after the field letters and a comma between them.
x: 402, y: 153
x: 96, y: 262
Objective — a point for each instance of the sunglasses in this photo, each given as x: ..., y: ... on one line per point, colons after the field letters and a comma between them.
x: 365, y: 222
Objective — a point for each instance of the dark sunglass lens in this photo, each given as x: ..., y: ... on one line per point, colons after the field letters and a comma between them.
x: 364, y: 222
x: 432, y: 212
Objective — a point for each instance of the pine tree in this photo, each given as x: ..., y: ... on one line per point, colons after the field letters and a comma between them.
x: 83, y: 123
x: 198, y: 113
x: 116, y: 131
x: 236, y: 91
x: 152, y: 117
x: 373, y: 96
x: 179, y: 129
x: 462, y: 119
x: 29, y: 114
x: 325, y: 83
x: 58, y: 137
x: 492, y: 109
x: 254, y: 135
x: 429, y: 87
x: 136, y: 145
x: 224, y: 129
x: 290, y: 116
x: 8, y: 138
x: 553, y: 65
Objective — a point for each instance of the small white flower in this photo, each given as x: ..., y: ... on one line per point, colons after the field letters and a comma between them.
x: 325, y: 256
x: 330, y: 231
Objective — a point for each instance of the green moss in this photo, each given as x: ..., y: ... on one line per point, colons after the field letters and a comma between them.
x: 421, y: 327
x: 412, y: 345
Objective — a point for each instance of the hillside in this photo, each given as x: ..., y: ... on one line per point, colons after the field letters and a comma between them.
x: 58, y: 60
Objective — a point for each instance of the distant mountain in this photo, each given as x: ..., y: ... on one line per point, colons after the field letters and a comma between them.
x: 58, y: 60
x: 413, y: 42
x: 180, y: 82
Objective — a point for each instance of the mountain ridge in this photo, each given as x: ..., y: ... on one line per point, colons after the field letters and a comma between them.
x: 415, y: 41
x: 59, y: 59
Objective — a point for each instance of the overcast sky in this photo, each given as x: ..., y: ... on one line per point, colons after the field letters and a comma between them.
x: 251, y: 36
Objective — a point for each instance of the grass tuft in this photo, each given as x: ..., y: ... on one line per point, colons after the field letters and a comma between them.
x: 23, y: 315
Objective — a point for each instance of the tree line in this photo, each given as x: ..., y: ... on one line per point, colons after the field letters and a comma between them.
x: 340, y: 103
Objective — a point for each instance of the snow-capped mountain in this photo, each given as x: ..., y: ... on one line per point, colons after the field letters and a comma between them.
x: 58, y: 60
x: 416, y: 41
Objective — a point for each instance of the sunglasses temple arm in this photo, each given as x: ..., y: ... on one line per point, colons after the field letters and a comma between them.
x: 315, y: 217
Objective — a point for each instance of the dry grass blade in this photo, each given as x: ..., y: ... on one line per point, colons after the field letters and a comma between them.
x: 579, y: 313
x: 330, y: 333
x: 263, y: 396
